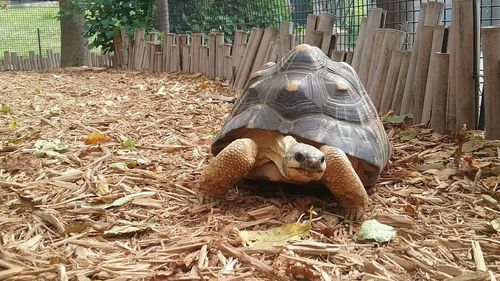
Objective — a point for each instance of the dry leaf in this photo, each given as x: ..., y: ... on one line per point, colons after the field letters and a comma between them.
x: 96, y: 138
x: 274, y: 236
x: 120, y: 201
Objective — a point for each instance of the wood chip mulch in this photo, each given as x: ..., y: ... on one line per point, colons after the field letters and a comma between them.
x: 125, y: 209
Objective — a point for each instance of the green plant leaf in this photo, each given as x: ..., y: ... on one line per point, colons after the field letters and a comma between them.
x: 374, y: 230
x: 5, y: 108
x: 397, y: 119
x: 129, y: 143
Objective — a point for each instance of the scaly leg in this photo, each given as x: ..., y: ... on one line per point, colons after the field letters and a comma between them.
x: 227, y: 168
x: 343, y: 182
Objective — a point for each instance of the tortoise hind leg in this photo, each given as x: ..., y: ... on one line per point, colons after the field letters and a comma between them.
x: 227, y: 168
x: 343, y: 182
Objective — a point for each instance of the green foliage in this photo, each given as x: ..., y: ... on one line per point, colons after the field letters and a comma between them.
x: 226, y: 16
x: 104, y: 18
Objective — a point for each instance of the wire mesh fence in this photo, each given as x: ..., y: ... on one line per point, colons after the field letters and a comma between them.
x: 29, y: 26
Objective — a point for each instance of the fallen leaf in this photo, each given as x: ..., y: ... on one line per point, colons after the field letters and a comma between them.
x: 77, y: 226
x: 374, y: 230
x: 397, y: 119
x: 495, y: 224
x: 102, y: 187
x: 12, y: 124
x: 96, y: 138
x: 275, y: 236
x: 120, y: 201
x: 118, y: 166
x: 461, y: 135
x: 23, y: 162
x: 203, y: 85
x: 132, y: 164
x: 127, y: 230
x: 44, y: 148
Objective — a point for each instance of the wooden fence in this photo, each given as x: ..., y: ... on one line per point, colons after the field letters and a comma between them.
x: 436, y: 81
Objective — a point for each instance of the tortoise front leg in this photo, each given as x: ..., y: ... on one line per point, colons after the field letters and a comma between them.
x: 343, y: 182
x: 227, y: 168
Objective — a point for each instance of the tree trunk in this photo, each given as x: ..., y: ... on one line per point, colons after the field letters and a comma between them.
x: 73, y: 50
x: 161, y: 7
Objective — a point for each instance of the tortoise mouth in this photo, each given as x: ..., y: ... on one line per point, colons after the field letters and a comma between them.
x: 304, y: 175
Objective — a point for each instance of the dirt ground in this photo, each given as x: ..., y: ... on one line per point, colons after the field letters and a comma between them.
x: 66, y: 212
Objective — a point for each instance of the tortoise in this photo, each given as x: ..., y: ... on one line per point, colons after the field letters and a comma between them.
x: 305, y: 119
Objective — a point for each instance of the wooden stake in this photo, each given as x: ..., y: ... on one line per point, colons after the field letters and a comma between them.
x: 268, y: 36
x: 348, y: 57
x: 438, y: 44
x: 212, y: 53
x: 430, y: 15
x: 168, y: 41
x: 286, y: 29
x: 196, y: 42
x: 240, y: 38
x: 387, y: 95
x: 491, y: 62
x: 464, y: 53
x: 223, y: 51
x: 312, y: 37
x: 7, y: 62
x: 174, y: 58
x: 424, y: 47
x: 437, y: 87
x: 401, y: 82
x: 337, y: 55
x: 325, y: 25
x: 374, y: 22
x: 219, y: 57
x: 228, y: 67
x: 203, y: 59
x: 246, y: 65
x: 392, y: 40
x: 358, y: 49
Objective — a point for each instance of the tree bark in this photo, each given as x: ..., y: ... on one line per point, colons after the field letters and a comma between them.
x: 161, y: 8
x: 73, y: 50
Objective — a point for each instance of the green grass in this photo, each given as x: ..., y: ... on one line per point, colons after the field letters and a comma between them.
x: 18, y: 29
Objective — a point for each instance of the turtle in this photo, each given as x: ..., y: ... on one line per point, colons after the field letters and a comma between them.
x: 305, y: 119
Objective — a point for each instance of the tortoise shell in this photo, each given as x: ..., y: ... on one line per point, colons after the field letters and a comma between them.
x: 314, y: 98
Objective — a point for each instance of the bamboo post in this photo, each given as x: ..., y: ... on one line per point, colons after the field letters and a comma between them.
x: 312, y: 37
x: 32, y: 59
x: 265, y: 44
x: 387, y: 95
x: 1, y: 65
x: 246, y: 64
x: 196, y: 42
x: 491, y: 62
x: 464, y: 53
x: 430, y: 15
x: 438, y: 45
x: 424, y: 47
x: 401, y: 82
x: 437, y: 87
x: 374, y: 21
x: 376, y: 53
x: 358, y: 49
x: 15, y: 63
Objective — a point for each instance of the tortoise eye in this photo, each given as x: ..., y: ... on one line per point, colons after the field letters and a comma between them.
x: 322, y: 159
x: 299, y: 157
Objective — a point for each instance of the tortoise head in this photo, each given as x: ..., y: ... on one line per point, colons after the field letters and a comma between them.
x: 302, y: 162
